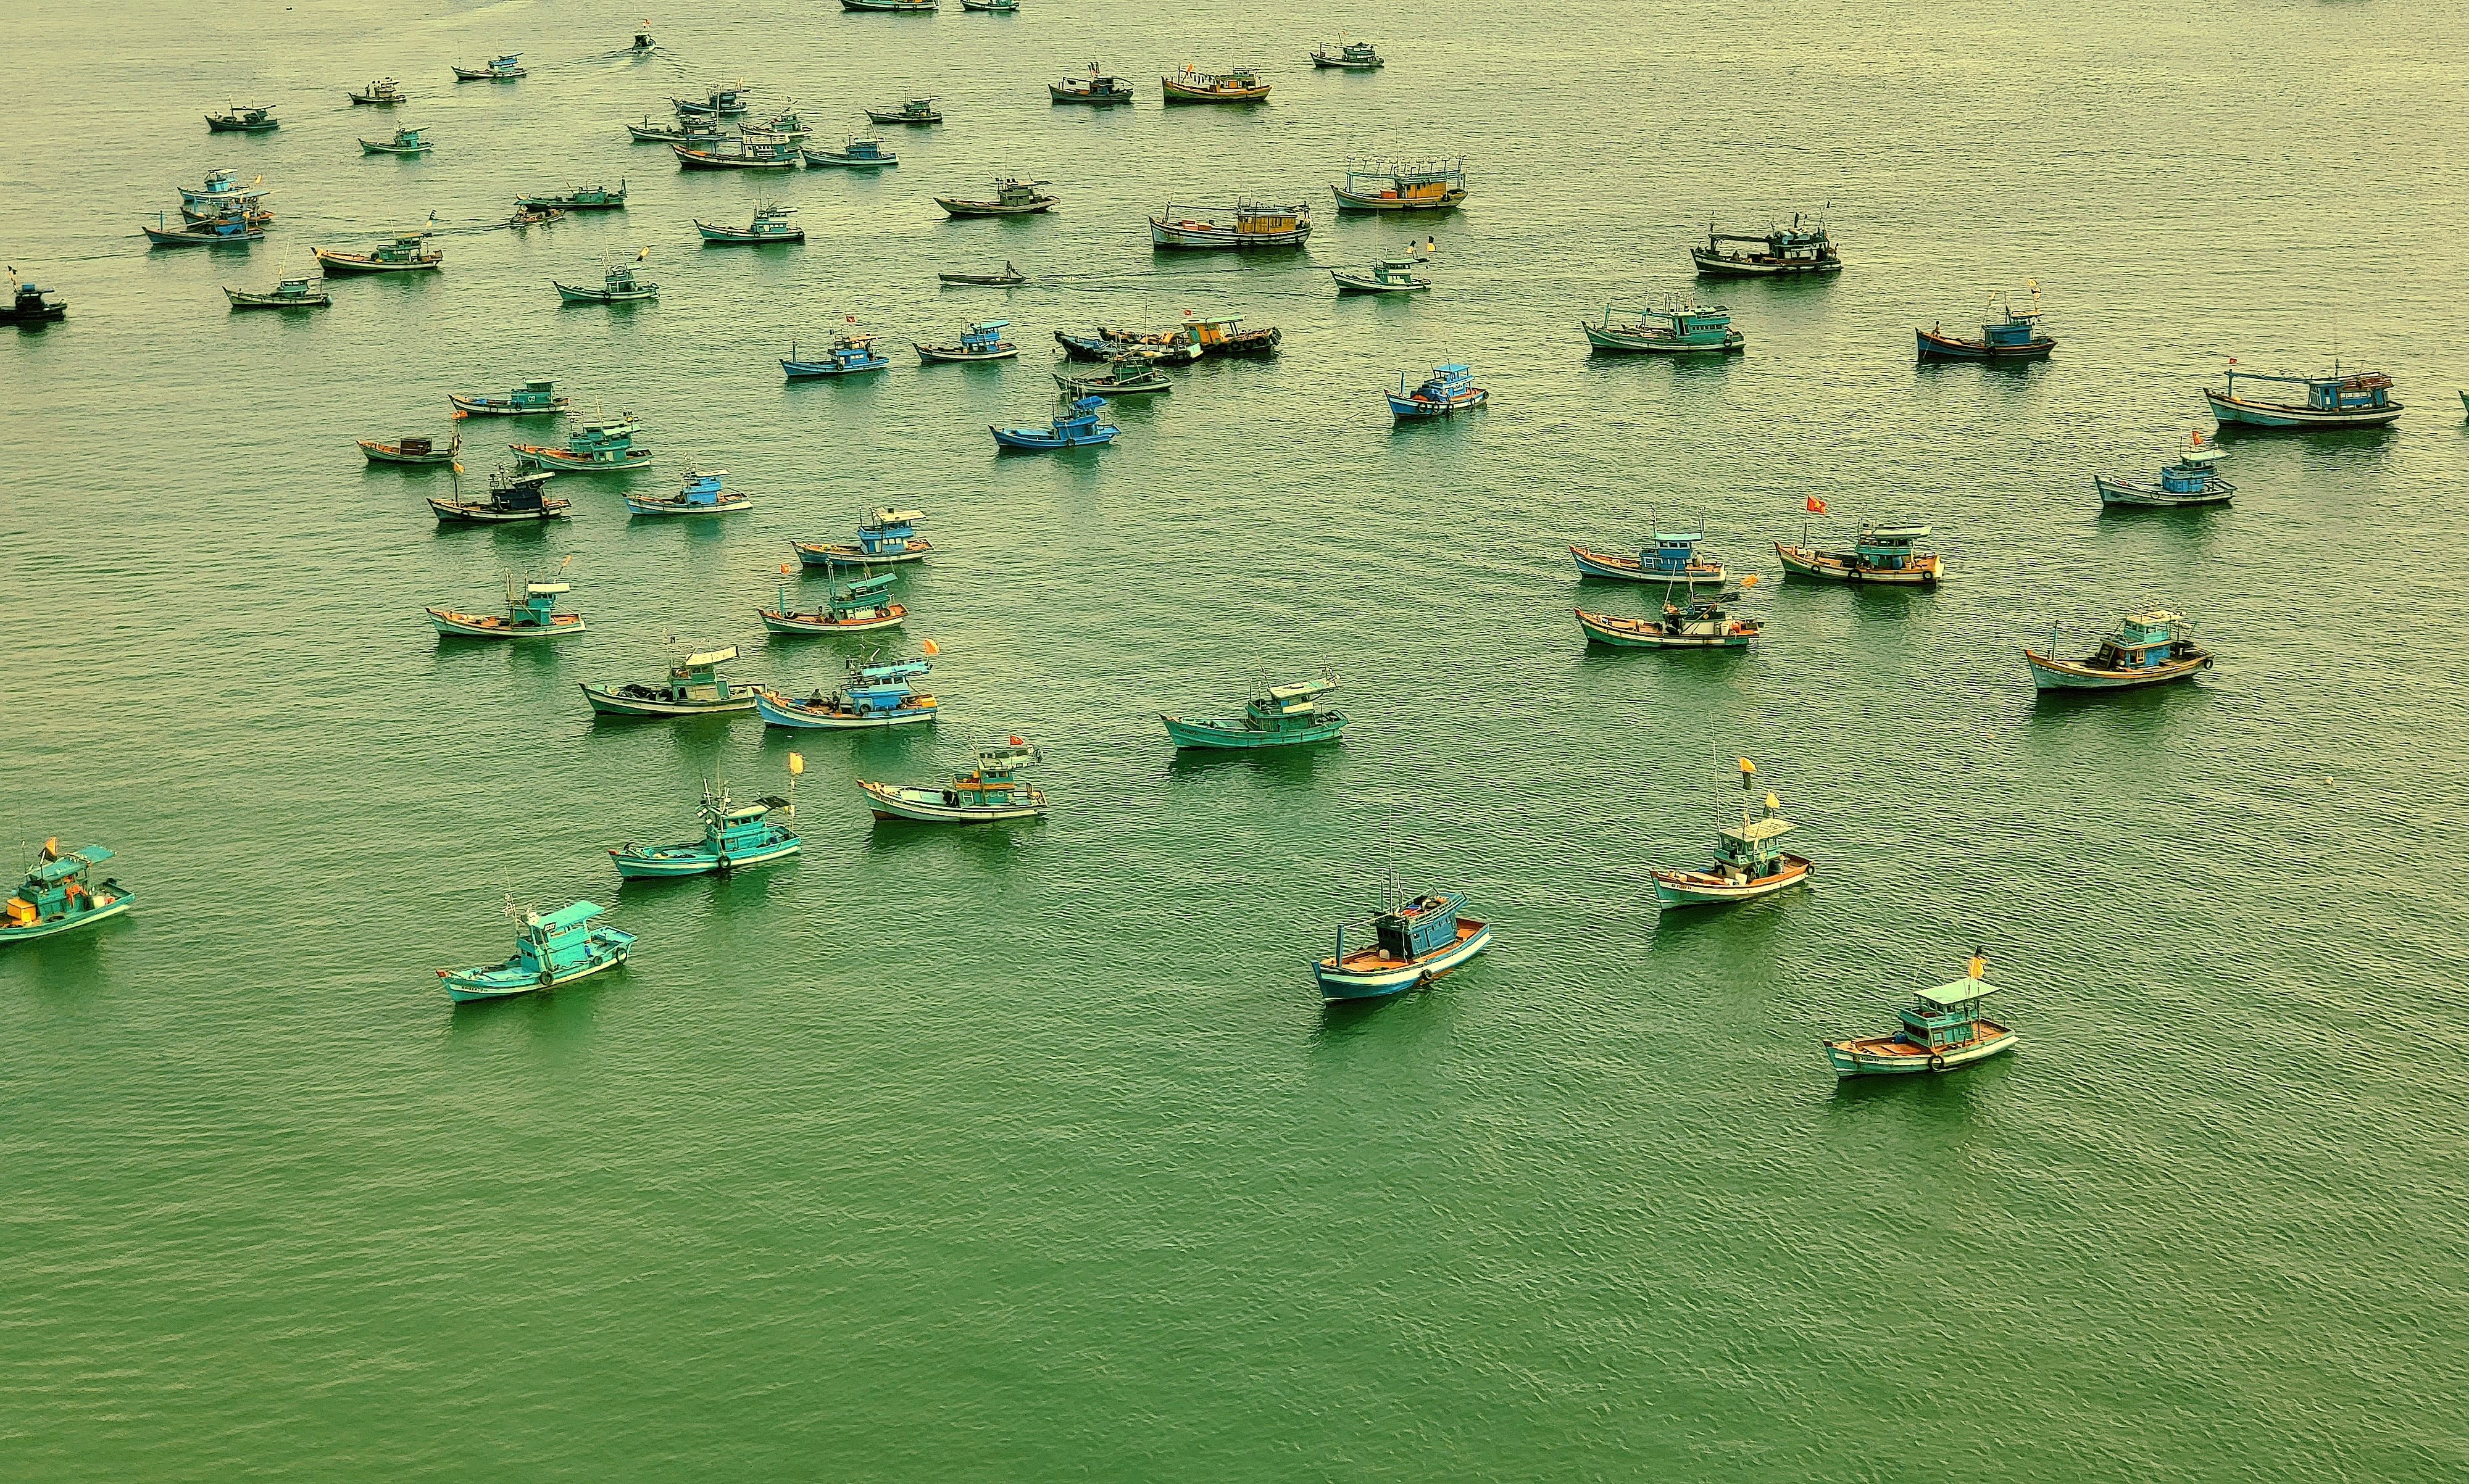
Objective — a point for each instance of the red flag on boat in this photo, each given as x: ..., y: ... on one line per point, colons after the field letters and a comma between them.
x: 1017, y: 743
x: 1816, y: 506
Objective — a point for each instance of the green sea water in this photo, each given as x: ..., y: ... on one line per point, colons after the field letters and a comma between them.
x: 1032, y: 1154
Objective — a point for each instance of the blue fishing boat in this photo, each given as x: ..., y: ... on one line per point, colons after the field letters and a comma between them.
x: 501, y: 69
x: 771, y: 225
x: 1275, y: 715
x: 861, y: 151
x: 617, y: 286
x: 1942, y: 1029
x: 1880, y: 555
x: 1749, y: 863
x: 845, y: 356
x: 550, y: 949
x: 701, y: 496
x: 1406, y: 945
x: 693, y: 686
x: 1694, y: 621
x: 735, y: 837
x: 531, y: 613
x: 2193, y: 480
x: 405, y: 142
x: 981, y: 341
x: 236, y: 230
x: 222, y: 191
x: 1671, y: 330
x: 2339, y: 402
x: 602, y: 445
x: 31, y: 309
x: 2152, y: 648
x: 56, y: 898
x: 1075, y: 427
x: 531, y: 399
x: 2015, y: 336
x: 1673, y: 559
x: 989, y: 793
x: 887, y: 536
x: 874, y: 693
x: 858, y: 607
x: 1778, y: 252
x: 1447, y: 391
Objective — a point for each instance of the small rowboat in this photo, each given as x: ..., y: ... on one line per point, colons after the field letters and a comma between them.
x: 411, y: 451
x: 1009, y: 278
x: 293, y: 293
x: 891, y: 7
x: 504, y: 69
x: 1128, y: 377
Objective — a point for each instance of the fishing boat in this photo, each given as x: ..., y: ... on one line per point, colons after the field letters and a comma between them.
x: 603, y: 445
x: 913, y: 112
x: 860, y: 606
x: 1385, y: 276
x: 2152, y: 648
x: 1695, y: 621
x: 1275, y: 716
x: 531, y: 399
x: 525, y: 218
x: 770, y: 224
x: 1077, y: 426
x: 243, y: 119
x: 1014, y: 197
x: 222, y: 193
x: 1106, y: 345
x: 873, y: 694
x: 513, y: 496
x: 1348, y: 57
x: 643, y: 38
x: 747, y: 152
x: 992, y: 7
x: 1878, y: 554
x: 1778, y: 252
x: 1127, y: 376
x: 31, y: 308
x: 2339, y: 402
x: 2192, y: 480
x: 1098, y: 87
x: 1748, y: 864
x: 1675, y: 329
x: 787, y: 126
x: 383, y: 93
x: 684, y: 131
x: 531, y: 613
x: 861, y: 151
x: 979, y: 342
x: 1401, y: 186
x: 845, y: 356
x: 550, y: 949
x: 293, y: 293
x: 405, y: 142
x: 887, y: 536
x: 693, y: 686
x: 1410, y: 944
x: 584, y: 198
x: 237, y: 230
x: 1941, y: 1028
x: 1189, y: 84
x: 252, y: 211
x: 409, y: 253
x: 701, y: 496
x: 891, y: 7
x: 503, y: 69
x: 720, y: 102
x: 1247, y: 227
x: 989, y: 793
x: 1224, y: 335
x: 1009, y: 278
x: 617, y: 286
x: 57, y: 897
x: 1447, y: 391
x: 412, y: 449
x: 2016, y: 335
x: 1673, y: 559
x: 735, y: 837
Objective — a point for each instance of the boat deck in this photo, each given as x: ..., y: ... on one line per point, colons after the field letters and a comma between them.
x: 1896, y: 1046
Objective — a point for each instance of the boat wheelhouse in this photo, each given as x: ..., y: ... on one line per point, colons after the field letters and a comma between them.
x: 989, y: 793
x: 1246, y: 226
x: 1405, y: 946
x: 845, y: 356
x: 1777, y: 252
x: 1401, y: 186
x: 600, y: 445
x: 531, y: 399
x: 1672, y: 560
x: 57, y: 897
x: 2192, y: 480
x: 735, y: 837
x: 2014, y: 336
x: 1447, y: 391
x: 1942, y: 1029
x: 1275, y: 715
x: 858, y: 607
x: 550, y: 949
x: 409, y: 253
x: 887, y: 536
x: 693, y: 686
x: 702, y: 494
x: 223, y: 191
x: 1189, y: 84
x: 2342, y: 401
x: 514, y: 495
x: 2151, y: 647
x: 1673, y: 330
x: 875, y: 693
x: 1749, y: 863
x: 1889, y: 554
x: 1098, y: 87
x: 531, y: 613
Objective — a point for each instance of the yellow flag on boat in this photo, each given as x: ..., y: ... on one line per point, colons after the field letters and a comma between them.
x: 1773, y: 804
x: 929, y: 646
x: 645, y: 253
x: 1747, y: 767
x: 458, y: 468
x: 797, y: 764
x: 1978, y: 963
x: 1750, y: 581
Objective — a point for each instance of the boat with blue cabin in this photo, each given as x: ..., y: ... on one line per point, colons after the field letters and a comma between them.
x: 845, y: 356
x: 602, y: 445
x: 2016, y: 336
x: 694, y: 687
x: 513, y: 496
x: 860, y: 151
x: 617, y: 286
x: 1879, y: 553
x: 982, y: 341
x: 57, y: 897
x: 550, y: 949
x: 1694, y: 621
x: 1447, y: 391
x: 860, y: 606
x: 887, y: 536
x: 405, y: 142
x: 1674, y: 330
x: 735, y: 837
x: 1275, y: 715
x: 238, y: 229
x: 2192, y: 480
x: 531, y: 399
x: 1749, y: 863
x: 874, y: 693
x: 1779, y: 252
x: 1942, y: 1029
x: 2342, y: 401
x: 531, y: 613
x: 1405, y: 946
x: 702, y: 494
x: 989, y: 793
x: 1673, y: 559
x: 1075, y: 426
x: 770, y: 224
x: 500, y: 69
x: 2151, y: 647
x: 223, y: 191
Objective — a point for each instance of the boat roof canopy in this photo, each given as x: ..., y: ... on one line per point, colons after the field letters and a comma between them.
x: 889, y: 516
x: 563, y: 917
x: 546, y: 589
x: 1757, y: 831
x: 70, y: 864
x: 1895, y: 533
x: 1302, y: 689
x: 1960, y: 992
x: 871, y: 584
x: 1680, y: 538
x: 704, y: 659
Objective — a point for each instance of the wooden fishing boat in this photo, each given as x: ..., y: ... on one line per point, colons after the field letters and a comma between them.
x: 405, y: 142
x: 412, y: 450
x: 745, y: 154
x: 550, y: 949
x: 720, y: 102
x: 1012, y: 198
x: 1385, y: 276
x: 1127, y: 376
x: 617, y: 286
x: 981, y: 341
x: 1098, y: 87
x: 250, y: 212
x: 586, y: 198
x: 861, y: 151
x: 2192, y: 480
x: 2342, y: 402
x: 2151, y: 647
x: 859, y: 607
x: 531, y: 399
x: 383, y: 93
x: 243, y: 119
x: 1674, y: 330
x: 1348, y: 57
x: 1748, y: 864
x: 222, y: 193
x: 1696, y: 621
x: 514, y: 497
x: 531, y: 613
x: 769, y: 225
x: 1077, y: 426
x: 2015, y: 336
x: 237, y: 230
x: 989, y: 793
x: 1779, y: 252
x: 1249, y: 227
x: 57, y: 897
x: 914, y: 112
x: 1673, y: 559
x: 698, y: 133
x: 735, y: 837
x: 1411, y: 944
x: 1275, y: 716
x: 887, y: 536
x: 1224, y: 336
x: 1447, y: 391
x: 1943, y: 1028
x: 701, y: 496
x: 845, y: 356
x: 409, y: 253
x: 891, y: 7
x: 1009, y: 278
x: 786, y: 126
x: 30, y: 308
x: 992, y: 7
x: 526, y: 217
x: 503, y: 69
x: 1878, y: 554
x: 1399, y: 186
x: 693, y: 686
x: 873, y: 694
x: 1189, y: 84
x: 1109, y: 343
x: 603, y: 445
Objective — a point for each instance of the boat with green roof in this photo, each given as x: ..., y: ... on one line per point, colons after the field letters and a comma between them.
x: 735, y: 837
x: 989, y: 793
x: 531, y: 613
x: 1749, y: 863
x: 57, y: 897
x: 694, y: 687
x: 1942, y: 1029
x: 855, y: 608
x: 1275, y: 715
x: 550, y: 949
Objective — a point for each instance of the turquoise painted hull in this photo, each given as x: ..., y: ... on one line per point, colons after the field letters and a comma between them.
x: 695, y: 859
x: 788, y: 714
x: 486, y: 984
x: 74, y: 922
x: 1880, y: 1057
x: 1202, y: 732
x: 1341, y: 984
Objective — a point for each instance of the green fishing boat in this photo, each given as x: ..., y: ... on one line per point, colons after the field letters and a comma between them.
x: 1943, y: 1028
x: 57, y: 899
x: 694, y: 687
x: 1277, y: 716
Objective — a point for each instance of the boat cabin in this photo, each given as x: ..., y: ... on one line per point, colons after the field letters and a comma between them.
x: 703, y: 490
x: 1259, y: 220
x: 52, y: 885
x: 868, y: 597
x: 698, y: 678
x: 985, y: 336
x: 1947, y: 1017
x: 2362, y: 391
x: 1298, y: 702
x: 2143, y: 641
x: 888, y: 530
x: 518, y: 490
x: 2019, y: 329
x: 1424, y: 925
x: 1748, y: 852
x: 550, y: 944
x: 1888, y: 548
x: 534, y: 604
x: 1673, y: 556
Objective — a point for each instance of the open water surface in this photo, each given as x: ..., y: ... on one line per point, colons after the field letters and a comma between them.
x: 1030, y: 1154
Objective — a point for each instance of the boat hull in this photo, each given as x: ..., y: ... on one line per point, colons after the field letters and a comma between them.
x: 1206, y: 732
x: 383, y: 147
x: 607, y: 701
x: 1065, y: 95
x: 836, y: 161
x: 1352, y: 201
x: 780, y: 622
x: 1630, y: 569
x: 2117, y: 492
x: 1800, y: 561
x: 660, y: 505
x: 1876, y: 1056
x: 248, y: 301
x: 340, y: 266
x: 1701, y: 889
x: 943, y: 355
x: 1634, y: 633
x: 71, y: 922
x: 2282, y: 417
x: 450, y: 514
x: 695, y: 859
x: 465, y: 988
x: 1338, y: 983
x: 497, y: 408
x: 174, y: 237
x: 468, y: 626
x: 732, y: 236
x: 1100, y: 386
x: 777, y: 710
x: 1029, y: 440
x: 2059, y: 675
x: 926, y: 806
x: 1602, y: 339
x: 1937, y: 347
x: 380, y: 453
x: 814, y: 554
x: 1407, y: 409
x: 807, y: 369
x: 952, y: 207
x: 1359, y: 283
x: 1717, y: 265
